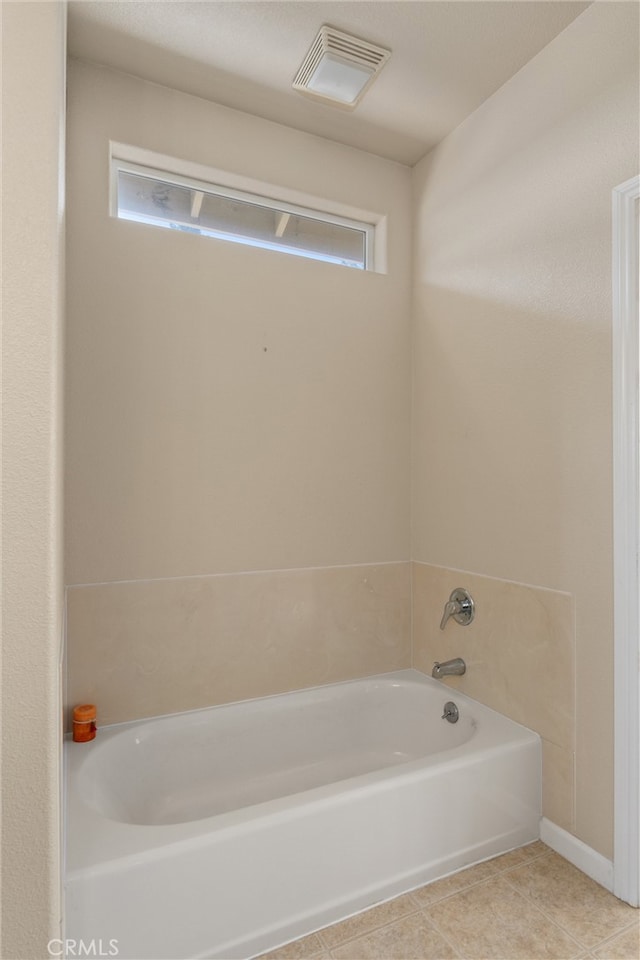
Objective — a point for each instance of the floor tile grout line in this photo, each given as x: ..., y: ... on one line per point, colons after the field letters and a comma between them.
x: 557, y: 923
x: 522, y: 863
x: 390, y: 923
x: 366, y: 933
x: 580, y: 948
x: 450, y: 896
x: 614, y: 936
x: 444, y: 936
x: 439, y: 930
x: 475, y: 883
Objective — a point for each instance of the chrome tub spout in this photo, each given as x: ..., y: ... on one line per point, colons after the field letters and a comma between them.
x: 449, y: 668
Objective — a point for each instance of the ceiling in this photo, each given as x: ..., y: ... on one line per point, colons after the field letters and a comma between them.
x: 448, y: 56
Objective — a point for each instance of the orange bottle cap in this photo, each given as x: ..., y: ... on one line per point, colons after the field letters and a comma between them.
x: 84, y: 713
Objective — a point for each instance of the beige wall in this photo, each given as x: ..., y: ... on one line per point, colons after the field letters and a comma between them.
x: 238, y: 424
x: 228, y: 408
x: 33, y: 71
x: 512, y: 350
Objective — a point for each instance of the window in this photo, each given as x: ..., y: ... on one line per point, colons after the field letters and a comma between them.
x: 210, y: 210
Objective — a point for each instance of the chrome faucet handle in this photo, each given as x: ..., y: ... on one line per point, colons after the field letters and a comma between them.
x: 450, y: 608
x: 460, y: 606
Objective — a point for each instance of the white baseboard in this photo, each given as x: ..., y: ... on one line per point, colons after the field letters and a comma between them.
x: 578, y: 853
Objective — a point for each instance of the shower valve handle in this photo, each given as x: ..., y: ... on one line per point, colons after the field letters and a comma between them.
x: 460, y: 606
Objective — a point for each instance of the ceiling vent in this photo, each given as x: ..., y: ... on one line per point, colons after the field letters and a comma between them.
x: 339, y: 68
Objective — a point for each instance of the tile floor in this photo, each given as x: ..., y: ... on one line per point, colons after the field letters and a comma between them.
x: 529, y: 904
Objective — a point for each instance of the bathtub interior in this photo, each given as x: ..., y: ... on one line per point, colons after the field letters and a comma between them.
x: 186, y: 768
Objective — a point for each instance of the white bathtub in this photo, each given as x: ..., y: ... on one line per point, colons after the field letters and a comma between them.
x: 225, y: 832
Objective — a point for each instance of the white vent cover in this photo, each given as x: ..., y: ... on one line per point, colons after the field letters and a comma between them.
x: 338, y: 68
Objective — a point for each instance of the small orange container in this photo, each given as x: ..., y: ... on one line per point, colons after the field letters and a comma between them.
x: 84, y: 722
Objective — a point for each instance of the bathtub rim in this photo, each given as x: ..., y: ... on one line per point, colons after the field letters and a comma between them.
x: 405, y: 673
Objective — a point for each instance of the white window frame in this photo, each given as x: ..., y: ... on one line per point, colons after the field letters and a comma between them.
x: 222, y: 187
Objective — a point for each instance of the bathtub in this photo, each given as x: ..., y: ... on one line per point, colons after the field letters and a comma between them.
x: 228, y: 831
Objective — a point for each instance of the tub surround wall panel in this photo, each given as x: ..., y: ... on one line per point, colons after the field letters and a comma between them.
x: 512, y: 350
x: 146, y: 648
x: 558, y: 785
x: 519, y: 652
